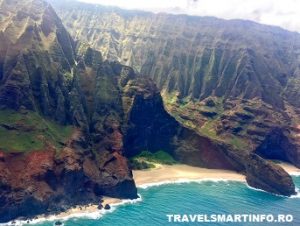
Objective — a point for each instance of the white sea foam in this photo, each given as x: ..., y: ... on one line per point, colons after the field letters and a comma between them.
x: 297, y: 195
x: 295, y: 174
x: 84, y: 214
x: 258, y: 189
x: 183, y: 181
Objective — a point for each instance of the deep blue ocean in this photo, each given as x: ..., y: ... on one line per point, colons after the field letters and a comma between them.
x: 206, y: 197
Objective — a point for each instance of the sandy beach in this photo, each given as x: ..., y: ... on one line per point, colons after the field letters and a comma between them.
x: 90, y: 211
x: 87, y: 209
x: 172, y: 173
x: 292, y: 170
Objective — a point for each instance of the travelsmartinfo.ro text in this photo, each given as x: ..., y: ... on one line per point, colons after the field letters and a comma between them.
x: 227, y: 218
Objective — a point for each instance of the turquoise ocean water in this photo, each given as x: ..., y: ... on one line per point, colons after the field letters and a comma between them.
x: 206, y: 197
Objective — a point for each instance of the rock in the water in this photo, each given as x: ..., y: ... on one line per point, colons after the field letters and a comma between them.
x: 107, y: 207
x: 58, y: 223
x: 268, y: 176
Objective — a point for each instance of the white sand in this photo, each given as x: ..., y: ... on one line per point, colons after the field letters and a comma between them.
x: 292, y: 170
x: 169, y: 173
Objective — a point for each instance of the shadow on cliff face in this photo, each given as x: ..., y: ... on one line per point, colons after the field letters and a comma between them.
x: 150, y: 127
x: 279, y: 146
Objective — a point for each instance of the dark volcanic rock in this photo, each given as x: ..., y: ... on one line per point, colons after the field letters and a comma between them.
x: 268, y: 176
x: 151, y: 128
x: 194, y: 149
x: 278, y: 145
x: 107, y: 207
x: 209, y: 114
x: 244, y: 116
x: 210, y: 103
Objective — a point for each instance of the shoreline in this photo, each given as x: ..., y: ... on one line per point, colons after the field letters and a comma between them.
x: 179, y: 173
x: 161, y: 174
x: 88, y: 211
x: 290, y: 169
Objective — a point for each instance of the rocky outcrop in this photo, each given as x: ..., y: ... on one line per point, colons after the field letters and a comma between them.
x: 268, y: 176
x: 149, y: 126
x: 198, y: 150
x: 47, y: 182
x: 279, y: 144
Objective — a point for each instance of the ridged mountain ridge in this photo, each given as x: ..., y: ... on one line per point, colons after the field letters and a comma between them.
x: 194, y: 56
x: 231, y: 80
x: 34, y: 45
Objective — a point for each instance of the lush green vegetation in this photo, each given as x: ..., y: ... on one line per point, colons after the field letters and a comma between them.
x: 208, y: 129
x: 16, y: 141
x: 160, y: 157
x: 238, y: 143
x: 140, y: 164
x: 28, y: 131
x: 148, y: 159
x: 276, y: 161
